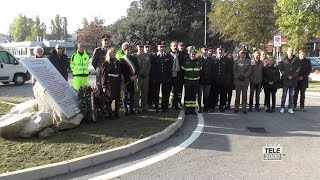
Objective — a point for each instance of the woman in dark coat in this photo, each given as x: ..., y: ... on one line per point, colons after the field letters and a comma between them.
x: 230, y: 78
x: 270, y: 82
x: 111, y: 82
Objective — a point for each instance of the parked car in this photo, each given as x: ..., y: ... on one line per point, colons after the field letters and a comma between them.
x: 11, y: 70
x: 315, y: 58
x: 315, y: 63
x: 91, y: 68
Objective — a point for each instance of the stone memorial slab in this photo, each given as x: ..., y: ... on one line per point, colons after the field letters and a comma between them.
x: 64, y: 96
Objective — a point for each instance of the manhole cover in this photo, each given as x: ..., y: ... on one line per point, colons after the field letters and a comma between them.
x: 256, y: 130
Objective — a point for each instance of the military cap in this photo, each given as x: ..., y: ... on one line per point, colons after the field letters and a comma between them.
x: 147, y: 43
x: 106, y: 36
x: 161, y: 44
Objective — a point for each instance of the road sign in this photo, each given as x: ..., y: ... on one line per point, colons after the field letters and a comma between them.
x: 277, y: 41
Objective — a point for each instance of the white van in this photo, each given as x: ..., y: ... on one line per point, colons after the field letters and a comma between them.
x: 11, y: 70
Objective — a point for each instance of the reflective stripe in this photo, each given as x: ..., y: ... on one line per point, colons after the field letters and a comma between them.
x: 190, y: 101
x: 192, y: 79
x: 113, y: 75
x: 191, y: 69
x: 190, y: 105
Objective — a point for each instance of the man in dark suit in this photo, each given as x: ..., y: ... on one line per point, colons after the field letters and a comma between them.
x: 130, y: 71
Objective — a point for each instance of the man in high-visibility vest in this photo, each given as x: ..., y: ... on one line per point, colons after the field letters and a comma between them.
x: 79, y: 65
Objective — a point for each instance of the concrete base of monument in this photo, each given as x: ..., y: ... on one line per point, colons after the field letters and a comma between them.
x: 30, y: 117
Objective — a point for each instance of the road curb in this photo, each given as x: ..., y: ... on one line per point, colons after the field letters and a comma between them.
x: 64, y: 167
x: 308, y: 93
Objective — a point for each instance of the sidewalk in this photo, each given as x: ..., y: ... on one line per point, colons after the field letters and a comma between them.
x: 316, y: 94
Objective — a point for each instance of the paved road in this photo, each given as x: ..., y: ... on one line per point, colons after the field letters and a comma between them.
x: 226, y: 150
x: 25, y: 90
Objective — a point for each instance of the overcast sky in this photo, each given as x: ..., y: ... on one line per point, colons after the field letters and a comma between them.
x: 109, y: 10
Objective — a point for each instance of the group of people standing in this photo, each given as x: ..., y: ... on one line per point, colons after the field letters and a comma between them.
x: 208, y: 79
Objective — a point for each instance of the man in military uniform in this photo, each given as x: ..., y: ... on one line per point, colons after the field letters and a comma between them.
x: 211, y: 52
x: 98, y: 57
x: 143, y: 80
x: 219, y: 79
x: 161, y: 72
x: 192, y: 69
x: 206, y: 78
x: 242, y: 71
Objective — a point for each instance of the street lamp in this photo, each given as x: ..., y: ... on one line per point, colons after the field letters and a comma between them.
x: 205, y: 22
x: 64, y: 23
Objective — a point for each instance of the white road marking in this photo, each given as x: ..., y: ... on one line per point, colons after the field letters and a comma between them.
x: 194, y: 136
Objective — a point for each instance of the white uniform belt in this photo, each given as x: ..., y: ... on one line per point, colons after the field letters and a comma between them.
x: 113, y: 75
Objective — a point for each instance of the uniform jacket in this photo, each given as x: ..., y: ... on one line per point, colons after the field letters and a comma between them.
x: 144, y: 64
x: 111, y: 67
x: 206, y: 76
x: 305, y: 71
x: 61, y: 63
x: 161, y: 68
x: 192, y: 69
x: 98, y: 56
x: 230, y: 74
x: 220, y: 71
x: 271, y: 74
x: 241, y: 68
x: 79, y: 64
x: 290, y: 67
x: 256, y: 72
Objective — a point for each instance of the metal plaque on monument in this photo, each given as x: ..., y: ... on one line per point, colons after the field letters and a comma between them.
x: 55, y: 85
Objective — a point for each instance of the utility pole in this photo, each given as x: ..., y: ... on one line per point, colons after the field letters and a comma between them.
x: 205, y: 22
x: 64, y: 23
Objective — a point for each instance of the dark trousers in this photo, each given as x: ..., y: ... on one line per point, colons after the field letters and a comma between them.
x: 221, y: 93
x: 267, y: 93
x: 302, y: 96
x: 191, y: 90
x: 129, y: 95
x: 254, y: 89
x: 150, y: 93
x: 165, y: 90
x: 177, y: 89
x: 205, y: 89
x: 229, y: 96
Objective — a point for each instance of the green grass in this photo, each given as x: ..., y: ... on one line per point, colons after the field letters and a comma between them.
x: 4, y: 108
x: 86, y: 139
x: 15, y: 100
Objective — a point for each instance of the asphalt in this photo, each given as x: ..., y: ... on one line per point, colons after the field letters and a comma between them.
x: 227, y: 150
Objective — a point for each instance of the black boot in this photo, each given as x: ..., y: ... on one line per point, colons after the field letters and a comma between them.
x: 111, y: 116
x: 116, y: 115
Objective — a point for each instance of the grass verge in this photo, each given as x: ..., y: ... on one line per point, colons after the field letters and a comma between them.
x: 4, y: 108
x: 86, y: 139
x: 15, y: 100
